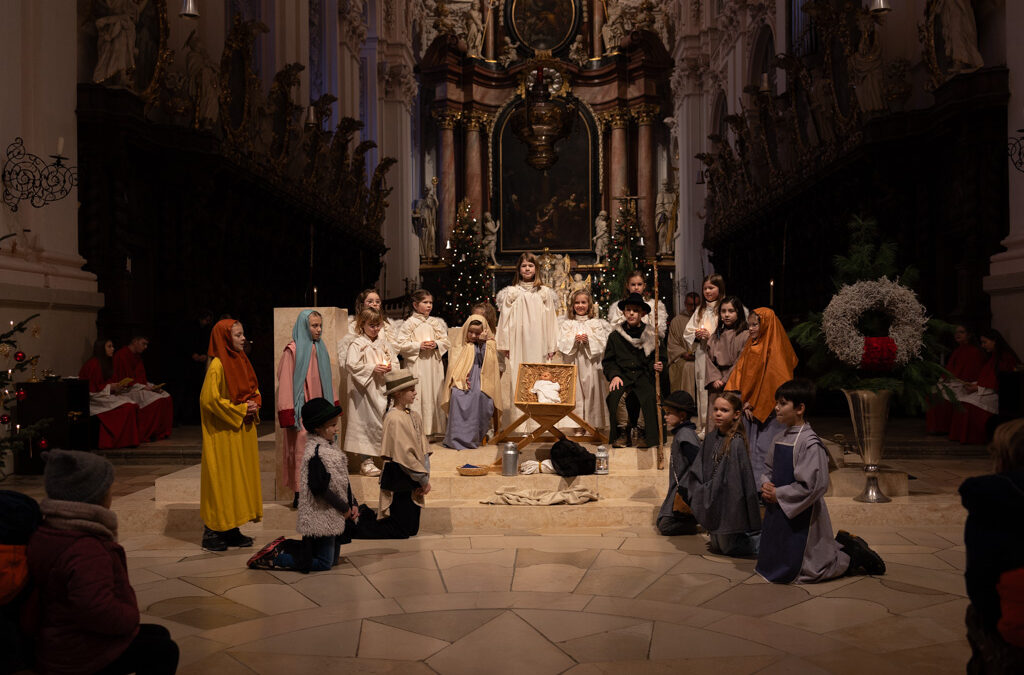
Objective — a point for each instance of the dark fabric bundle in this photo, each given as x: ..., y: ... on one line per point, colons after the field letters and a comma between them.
x: 19, y: 517
x: 572, y: 459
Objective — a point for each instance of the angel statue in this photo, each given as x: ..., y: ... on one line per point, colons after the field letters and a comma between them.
x: 601, y: 236
x: 490, y: 240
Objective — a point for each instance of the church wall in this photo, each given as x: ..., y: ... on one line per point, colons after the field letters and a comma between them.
x: 40, y: 268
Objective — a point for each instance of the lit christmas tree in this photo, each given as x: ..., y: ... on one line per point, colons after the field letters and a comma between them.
x: 15, y: 436
x: 625, y: 253
x: 468, y: 280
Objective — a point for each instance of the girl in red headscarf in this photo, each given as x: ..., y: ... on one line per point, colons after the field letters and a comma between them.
x: 229, y: 409
x: 767, y: 360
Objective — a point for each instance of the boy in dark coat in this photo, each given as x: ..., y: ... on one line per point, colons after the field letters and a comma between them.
x: 87, y: 617
x: 675, y: 516
x: 630, y: 367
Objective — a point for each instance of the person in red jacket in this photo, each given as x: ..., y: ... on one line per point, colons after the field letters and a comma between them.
x: 87, y: 618
x: 964, y: 364
x: 117, y: 414
x: 981, y: 401
x: 156, y: 412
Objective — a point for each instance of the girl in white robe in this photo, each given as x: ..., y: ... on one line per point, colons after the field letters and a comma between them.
x: 527, y: 329
x: 422, y: 341
x: 368, y: 359
x: 581, y: 340
x: 369, y: 299
x: 698, y: 331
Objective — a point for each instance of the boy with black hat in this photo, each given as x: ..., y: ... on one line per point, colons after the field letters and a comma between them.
x: 325, y: 499
x: 87, y: 616
x: 630, y: 367
x: 675, y: 516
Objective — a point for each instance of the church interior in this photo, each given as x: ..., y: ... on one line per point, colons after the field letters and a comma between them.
x: 169, y: 165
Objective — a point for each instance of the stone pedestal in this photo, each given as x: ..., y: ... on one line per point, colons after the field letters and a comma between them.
x: 335, y: 327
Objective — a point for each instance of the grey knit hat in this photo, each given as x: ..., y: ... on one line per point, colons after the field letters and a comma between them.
x: 75, y: 476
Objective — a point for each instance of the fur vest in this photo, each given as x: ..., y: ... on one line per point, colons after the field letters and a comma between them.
x: 317, y: 518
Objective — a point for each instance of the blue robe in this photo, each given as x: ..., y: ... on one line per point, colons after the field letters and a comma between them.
x: 469, y: 411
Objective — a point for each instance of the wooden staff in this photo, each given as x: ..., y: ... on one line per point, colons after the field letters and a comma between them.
x: 657, y: 375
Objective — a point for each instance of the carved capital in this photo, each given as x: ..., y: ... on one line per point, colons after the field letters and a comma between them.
x: 399, y: 83
x: 353, y: 27
x: 645, y: 113
x: 617, y: 118
x: 476, y: 120
x: 446, y: 119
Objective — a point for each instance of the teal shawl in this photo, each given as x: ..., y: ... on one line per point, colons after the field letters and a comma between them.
x: 303, y: 352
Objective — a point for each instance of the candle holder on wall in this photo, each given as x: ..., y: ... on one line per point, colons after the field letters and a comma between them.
x: 1015, y: 148
x: 29, y: 177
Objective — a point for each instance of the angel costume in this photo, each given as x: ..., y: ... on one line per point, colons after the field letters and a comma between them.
x: 426, y: 365
x: 706, y: 318
x: 472, y: 390
x: 591, y: 385
x: 528, y: 331
x: 364, y: 391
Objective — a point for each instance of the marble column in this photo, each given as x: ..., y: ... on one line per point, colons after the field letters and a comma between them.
x: 446, y: 122
x: 491, y: 26
x: 1005, y: 282
x: 618, y: 162
x: 474, y: 123
x: 645, y: 115
x: 402, y: 258
x: 691, y: 258
x: 597, y: 23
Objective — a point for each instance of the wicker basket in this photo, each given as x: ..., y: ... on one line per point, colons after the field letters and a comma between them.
x: 473, y: 470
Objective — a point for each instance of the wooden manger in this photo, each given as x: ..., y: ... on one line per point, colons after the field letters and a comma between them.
x: 546, y: 415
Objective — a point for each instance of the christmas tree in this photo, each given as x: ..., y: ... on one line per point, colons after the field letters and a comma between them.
x: 468, y: 280
x: 625, y: 253
x: 17, y: 361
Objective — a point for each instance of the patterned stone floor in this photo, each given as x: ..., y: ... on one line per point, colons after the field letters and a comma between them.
x: 553, y: 601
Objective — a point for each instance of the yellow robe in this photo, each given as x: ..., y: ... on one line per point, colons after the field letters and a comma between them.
x: 230, y: 486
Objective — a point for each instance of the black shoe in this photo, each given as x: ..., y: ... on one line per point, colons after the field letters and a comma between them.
x: 295, y: 501
x: 622, y: 440
x: 234, y: 537
x: 861, y: 555
x: 213, y: 540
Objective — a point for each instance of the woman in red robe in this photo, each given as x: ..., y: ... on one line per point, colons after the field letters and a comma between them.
x: 964, y: 364
x: 117, y: 415
x: 982, y: 400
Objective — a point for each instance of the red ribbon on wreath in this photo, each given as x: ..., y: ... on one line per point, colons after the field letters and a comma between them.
x: 879, y: 354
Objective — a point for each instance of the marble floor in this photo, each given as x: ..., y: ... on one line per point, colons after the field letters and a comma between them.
x: 558, y: 600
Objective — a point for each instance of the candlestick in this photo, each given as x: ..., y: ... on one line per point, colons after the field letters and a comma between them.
x: 314, y: 296
x: 60, y: 145
x: 771, y: 292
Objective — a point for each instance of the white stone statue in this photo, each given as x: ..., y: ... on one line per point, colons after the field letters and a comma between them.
x: 509, y: 53
x: 866, y: 64
x: 204, y: 82
x: 959, y: 34
x: 426, y: 214
x: 613, y: 30
x: 601, y: 236
x: 663, y: 217
x: 115, y: 42
x: 490, y: 241
x: 474, y: 31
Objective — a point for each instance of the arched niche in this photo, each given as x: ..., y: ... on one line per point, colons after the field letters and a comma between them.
x: 551, y: 209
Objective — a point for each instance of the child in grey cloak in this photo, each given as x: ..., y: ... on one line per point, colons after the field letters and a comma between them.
x: 796, y: 537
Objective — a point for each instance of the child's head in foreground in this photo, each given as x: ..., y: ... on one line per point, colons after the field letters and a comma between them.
x: 1007, y: 446
x: 794, y: 400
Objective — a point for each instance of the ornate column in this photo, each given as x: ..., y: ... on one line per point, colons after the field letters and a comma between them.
x: 491, y: 26
x: 351, y: 35
x: 475, y: 122
x: 597, y: 23
x: 618, y: 163
x: 645, y: 114
x: 402, y: 258
x: 446, y: 122
x: 1005, y: 282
